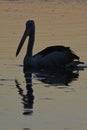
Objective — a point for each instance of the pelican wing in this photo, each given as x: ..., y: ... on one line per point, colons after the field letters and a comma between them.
x: 70, y: 54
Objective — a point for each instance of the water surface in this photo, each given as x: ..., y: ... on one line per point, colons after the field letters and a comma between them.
x: 38, y: 101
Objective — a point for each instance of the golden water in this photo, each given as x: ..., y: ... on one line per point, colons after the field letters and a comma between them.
x: 57, y: 107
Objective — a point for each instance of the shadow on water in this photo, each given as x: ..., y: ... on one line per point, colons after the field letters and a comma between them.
x: 26, y: 128
x: 55, y: 78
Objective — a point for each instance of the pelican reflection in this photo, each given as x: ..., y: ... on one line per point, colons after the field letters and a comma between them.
x: 54, y: 78
x: 28, y: 98
x: 57, y: 78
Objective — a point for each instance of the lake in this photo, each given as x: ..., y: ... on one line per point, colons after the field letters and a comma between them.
x: 38, y: 101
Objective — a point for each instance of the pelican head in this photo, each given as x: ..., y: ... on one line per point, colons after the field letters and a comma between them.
x: 29, y: 31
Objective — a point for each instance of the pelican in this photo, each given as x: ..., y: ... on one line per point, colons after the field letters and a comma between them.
x: 50, y: 58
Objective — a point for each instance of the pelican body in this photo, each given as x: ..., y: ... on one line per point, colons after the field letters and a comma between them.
x: 50, y: 58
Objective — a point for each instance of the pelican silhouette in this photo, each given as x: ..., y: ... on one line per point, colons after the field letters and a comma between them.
x: 51, y: 57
